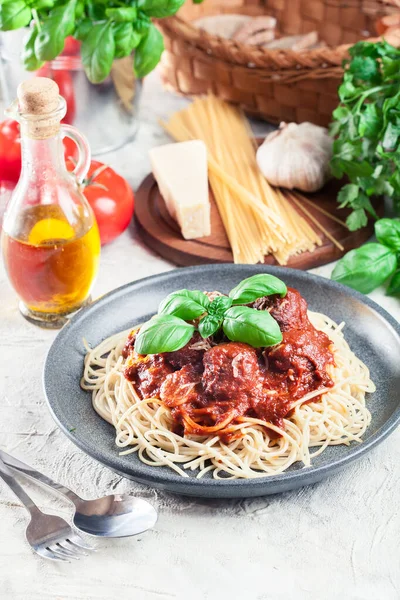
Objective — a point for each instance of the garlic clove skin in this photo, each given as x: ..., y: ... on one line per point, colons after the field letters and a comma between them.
x: 296, y: 156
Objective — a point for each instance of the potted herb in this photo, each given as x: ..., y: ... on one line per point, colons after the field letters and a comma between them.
x: 106, y: 31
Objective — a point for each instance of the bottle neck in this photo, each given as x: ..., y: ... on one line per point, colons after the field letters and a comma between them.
x: 42, y: 160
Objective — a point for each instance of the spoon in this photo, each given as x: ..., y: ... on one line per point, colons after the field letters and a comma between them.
x: 119, y: 515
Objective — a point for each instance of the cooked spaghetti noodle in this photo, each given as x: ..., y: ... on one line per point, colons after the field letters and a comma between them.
x: 324, y: 417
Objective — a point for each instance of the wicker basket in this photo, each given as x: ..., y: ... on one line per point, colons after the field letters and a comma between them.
x: 277, y: 85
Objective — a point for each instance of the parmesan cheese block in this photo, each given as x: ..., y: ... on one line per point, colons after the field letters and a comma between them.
x: 181, y: 173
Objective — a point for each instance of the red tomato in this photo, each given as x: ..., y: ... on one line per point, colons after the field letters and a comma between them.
x: 66, y: 86
x: 72, y: 46
x: 10, y: 151
x: 111, y: 199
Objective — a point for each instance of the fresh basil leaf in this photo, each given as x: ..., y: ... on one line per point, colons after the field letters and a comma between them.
x: 126, y: 39
x: 254, y: 327
x: 82, y: 29
x: 14, y: 14
x: 387, y: 232
x: 148, y: 53
x: 220, y: 305
x: 163, y: 333
x: 123, y: 14
x: 185, y: 304
x: 142, y: 22
x: 209, y: 325
x: 257, y: 286
x: 28, y: 56
x: 97, y: 52
x: 40, y: 4
x: 160, y: 8
x: 365, y: 268
x: 55, y: 28
x: 394, y: 285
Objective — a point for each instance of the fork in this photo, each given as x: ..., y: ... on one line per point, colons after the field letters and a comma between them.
x: 49, y: 536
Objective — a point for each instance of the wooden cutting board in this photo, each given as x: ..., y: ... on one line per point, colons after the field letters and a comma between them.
x: 161, y: 233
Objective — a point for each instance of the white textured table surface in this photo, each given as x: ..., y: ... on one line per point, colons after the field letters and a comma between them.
x: 337, y: 539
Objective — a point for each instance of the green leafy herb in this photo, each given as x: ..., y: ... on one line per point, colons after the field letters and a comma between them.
x: 148, y: 52
x: 160, y: 8
x: 14, y: 14
x: 109, y: 29
x: 366, y: 128
x: 254, y: 327
x: 163, y: 333
x: 59, y: 24
x: 185, y: 304
x: 257, y: 286
x: 219, y: 306
x: 97, y: 51
x: 209, y: 325
x: 365, y: 268
x: 29, y: 58
x: 239, y: 323
x: 394, y: 285
x: 387, y: 232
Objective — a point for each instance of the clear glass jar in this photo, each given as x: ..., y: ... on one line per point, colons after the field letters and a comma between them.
x: 107, y: 113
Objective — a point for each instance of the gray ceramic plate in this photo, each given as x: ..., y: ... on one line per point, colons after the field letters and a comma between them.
x: 372, y: 333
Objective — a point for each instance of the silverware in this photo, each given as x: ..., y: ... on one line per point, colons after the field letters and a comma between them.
x: 49, y: 536
x: 118, y: 515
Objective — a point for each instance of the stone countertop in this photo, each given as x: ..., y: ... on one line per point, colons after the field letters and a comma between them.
x: 337, y: 539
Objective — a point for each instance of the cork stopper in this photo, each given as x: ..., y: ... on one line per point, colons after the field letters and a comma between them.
x: 38, y: 97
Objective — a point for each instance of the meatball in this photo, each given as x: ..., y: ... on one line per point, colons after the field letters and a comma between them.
x: 191, y: 354
x: 231, y: 371
x: 290, y: 311
x: 147, y: 372
x: 181, y: 387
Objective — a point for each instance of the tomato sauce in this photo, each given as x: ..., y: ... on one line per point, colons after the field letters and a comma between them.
x: 209, y: 388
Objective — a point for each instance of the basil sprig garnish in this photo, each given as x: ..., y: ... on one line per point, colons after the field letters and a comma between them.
x: 257, y: 286
x: 185, y: 304
x: 163, y: 333
x: 169, y: 331
x: 254, y: 327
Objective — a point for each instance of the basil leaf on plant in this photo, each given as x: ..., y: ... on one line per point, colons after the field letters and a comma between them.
x: 55, y: 28
x: 387, y: 232
x: 148, y: 53
x: 126, y: 39
x: 185, y: 304
x: 254, y: 327
x: 163, y: 333
x: 160, y: 8
x: 394, y: 285
x: 209, y: 325
x: 257, y: 286
x: 29, y: 59
x: 82, y: 29
x: 14, y: 14
x: 97, y: 52
x: 123, y: 14
x: 365, y: 268
x: 220, y: 305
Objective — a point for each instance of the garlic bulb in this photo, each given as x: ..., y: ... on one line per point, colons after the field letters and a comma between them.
x: 296, y: 156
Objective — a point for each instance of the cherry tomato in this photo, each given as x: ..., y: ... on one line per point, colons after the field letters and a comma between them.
x: 10, y: 151
x: 111, y: 199
x: 66, y: 86
x: 72, y: 46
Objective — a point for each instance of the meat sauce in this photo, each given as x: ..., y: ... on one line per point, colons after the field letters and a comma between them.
x: 209, y: 389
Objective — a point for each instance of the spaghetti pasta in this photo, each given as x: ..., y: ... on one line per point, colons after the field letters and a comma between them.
x: 324, y: 417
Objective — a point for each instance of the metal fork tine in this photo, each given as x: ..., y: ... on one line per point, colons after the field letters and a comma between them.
x: 59, y: 552
x: 45, y: 553
x: 76, y: 550
x: 76, y: 540
x: 58, y: 547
